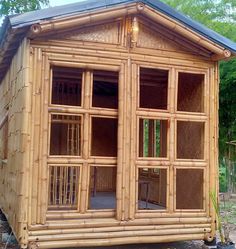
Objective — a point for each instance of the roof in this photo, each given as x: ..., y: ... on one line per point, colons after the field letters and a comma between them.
x: 34, y: 17
x: 15, y: 27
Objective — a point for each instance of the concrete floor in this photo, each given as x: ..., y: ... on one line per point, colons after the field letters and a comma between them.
x: 107, y: 200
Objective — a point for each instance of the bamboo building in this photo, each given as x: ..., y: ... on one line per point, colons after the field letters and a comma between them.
x: 109, y: 124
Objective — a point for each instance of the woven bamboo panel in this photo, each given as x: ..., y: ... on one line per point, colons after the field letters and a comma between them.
x: 105, y: 33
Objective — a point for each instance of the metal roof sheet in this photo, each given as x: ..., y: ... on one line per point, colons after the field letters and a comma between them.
x: 91, y: 5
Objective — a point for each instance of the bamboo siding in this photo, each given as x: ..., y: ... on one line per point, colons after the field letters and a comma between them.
x: 107, y: 132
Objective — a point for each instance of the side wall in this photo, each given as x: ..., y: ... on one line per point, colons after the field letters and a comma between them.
x: 16, y: 107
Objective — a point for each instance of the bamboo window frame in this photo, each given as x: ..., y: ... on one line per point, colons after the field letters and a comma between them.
x: 85, y: 112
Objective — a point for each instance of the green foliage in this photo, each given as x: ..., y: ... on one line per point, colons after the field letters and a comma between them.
x: 216, y: 206
x: 220, y: 16
x: 8, y: 7
x: 223, y: 178
x: 227, y: 113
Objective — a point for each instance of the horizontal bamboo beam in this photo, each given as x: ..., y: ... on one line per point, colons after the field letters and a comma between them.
x: 68, y: 215
x: 121, y: 234
x: 91, y: 66
x: 119, y: 241
x: 73, y: 161
x: 82, y: 19
x: 116, y: 229
x: 54, y: 109
x: 166, y: 58
x: 163, y: 115
x: 113, y: 222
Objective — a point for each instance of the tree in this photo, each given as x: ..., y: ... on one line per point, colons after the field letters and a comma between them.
x: 9, y: 7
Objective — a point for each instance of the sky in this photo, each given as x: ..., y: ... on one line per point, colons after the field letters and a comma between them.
x: 62, y: 2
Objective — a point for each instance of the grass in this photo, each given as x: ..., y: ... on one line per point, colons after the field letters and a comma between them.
x: 228, y: 212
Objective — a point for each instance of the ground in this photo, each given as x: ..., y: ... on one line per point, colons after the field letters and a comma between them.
x: 228, y: 214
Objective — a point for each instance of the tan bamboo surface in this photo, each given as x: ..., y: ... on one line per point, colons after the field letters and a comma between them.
x: 47, y: 202
x: 15, y: 96
x: 185, y: 32
x: 119, y: 241
x: 115, y: 229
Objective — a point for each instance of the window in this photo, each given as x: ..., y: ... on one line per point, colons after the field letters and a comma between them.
x: 104, y: 137
x: 64, y: 186
x: 65, y: 135
x: 81, y: 133
x: 190, y: 140
x: 152, y: 138
x: 102, y: 187
x: 190, y: 92
x: 105, y: 89
x: 153, y: 88
x: 152, y: 188
x: 189, y: 188
x: 66, y: 86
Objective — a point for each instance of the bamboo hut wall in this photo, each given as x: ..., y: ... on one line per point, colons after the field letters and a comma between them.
x: 15, y: 103
x: 104, y: 56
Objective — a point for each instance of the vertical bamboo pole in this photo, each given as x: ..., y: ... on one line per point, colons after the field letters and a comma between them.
x: 87, y: 85
x: 44, y: 176
x: 39, y: 197
x: 133, y: 141
x: 120, y: 148
x: 127, y: 138
x: 172, y: 89
x: 36, y: 119
x: 31, y: 73
x: 208, y: 78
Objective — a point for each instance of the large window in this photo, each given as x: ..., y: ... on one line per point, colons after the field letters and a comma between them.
x: 171, y: 123
x: 83, y: 139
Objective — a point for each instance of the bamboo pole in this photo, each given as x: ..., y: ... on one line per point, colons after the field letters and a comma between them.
x: 37, y: 123
x: 120, y: 234
x: 86, y: 18
x: 126, y: 140
x: 45, y: 124
x: 115, y: 229
x: 111, y: 222
x: 120, y: 145
x: 85, y: 143
x: 133, y: 190
x: 167, y: 58
x: 71, y: 215
x: 120, y: 241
